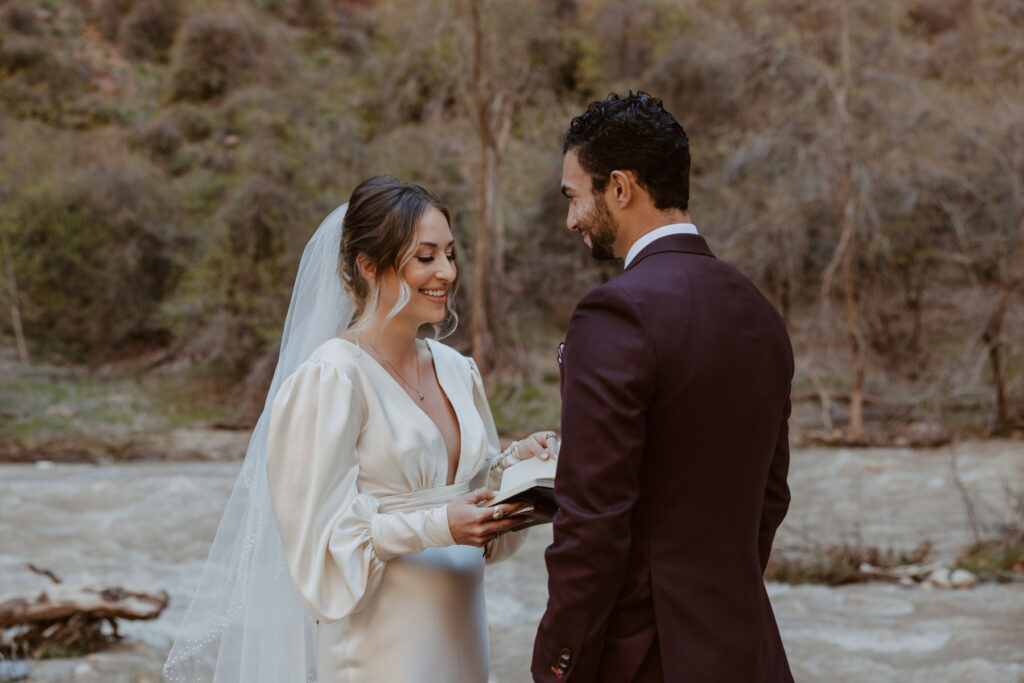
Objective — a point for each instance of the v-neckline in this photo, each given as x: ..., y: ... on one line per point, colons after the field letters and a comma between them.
x: 444, y: 392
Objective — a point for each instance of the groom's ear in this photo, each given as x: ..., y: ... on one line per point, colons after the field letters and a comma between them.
x: 367, y: 268
x: 622, y: 186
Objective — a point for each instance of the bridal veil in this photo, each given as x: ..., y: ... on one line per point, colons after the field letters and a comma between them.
x: 246, y: 622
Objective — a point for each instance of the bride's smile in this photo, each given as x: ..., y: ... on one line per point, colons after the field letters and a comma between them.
x: 430, y: 273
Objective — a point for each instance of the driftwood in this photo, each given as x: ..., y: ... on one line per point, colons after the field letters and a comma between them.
x: 64, y: 601
x: 68, y: 619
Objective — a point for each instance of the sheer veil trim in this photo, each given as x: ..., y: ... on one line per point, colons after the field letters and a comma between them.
x: 246, y: 621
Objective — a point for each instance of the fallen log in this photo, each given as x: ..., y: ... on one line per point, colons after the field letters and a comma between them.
x: 68, y: 619
x: 63, y: 601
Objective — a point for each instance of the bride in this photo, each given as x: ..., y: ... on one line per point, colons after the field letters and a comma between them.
x: 350, y: 549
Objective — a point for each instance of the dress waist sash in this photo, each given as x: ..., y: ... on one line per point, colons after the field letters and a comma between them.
x: 421, y: 500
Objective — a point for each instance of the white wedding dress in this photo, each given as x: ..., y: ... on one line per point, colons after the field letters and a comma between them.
x: 357, y: 476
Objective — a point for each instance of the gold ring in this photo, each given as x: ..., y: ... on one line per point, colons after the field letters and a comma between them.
x: 497, y: 514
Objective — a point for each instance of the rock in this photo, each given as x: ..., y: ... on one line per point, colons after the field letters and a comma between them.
x: 961, y: 578
x: 14, y: 670
x: 939, y: 578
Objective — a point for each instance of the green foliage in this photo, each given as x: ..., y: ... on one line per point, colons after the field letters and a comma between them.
x: 246, y: 259
x: 518, y: 412
x: 1001, y: 559
x: 92, y: 256
x: 234, y: 127
x: 47, y: 404
x: 36, y: 81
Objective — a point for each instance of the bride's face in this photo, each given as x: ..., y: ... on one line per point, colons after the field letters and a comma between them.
x: 430, y: 273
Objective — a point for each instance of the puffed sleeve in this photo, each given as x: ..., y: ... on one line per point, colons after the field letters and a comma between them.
x: 503, y: 546
x: 337, y: 541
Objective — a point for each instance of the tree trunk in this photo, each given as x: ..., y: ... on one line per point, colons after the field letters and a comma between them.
x: 14, y: 298
x: 495, y: 286
x: 992, y: 334
x: 494, y: 125
x: 478, y: 307
x: 855, y: 429
x: 847, y: 228
x: 992, y: 337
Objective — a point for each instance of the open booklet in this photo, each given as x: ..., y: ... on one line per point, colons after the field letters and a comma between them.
x: 530, y: 481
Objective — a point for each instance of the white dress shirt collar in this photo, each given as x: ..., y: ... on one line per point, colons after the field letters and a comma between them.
x: 658, y: 233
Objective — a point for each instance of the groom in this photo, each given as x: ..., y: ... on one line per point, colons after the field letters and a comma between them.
x: 675, y: 396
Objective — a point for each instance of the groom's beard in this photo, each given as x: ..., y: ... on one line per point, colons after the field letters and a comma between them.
x: 600, y: 227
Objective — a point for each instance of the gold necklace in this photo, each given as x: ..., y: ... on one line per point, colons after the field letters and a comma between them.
x: 398, y: 374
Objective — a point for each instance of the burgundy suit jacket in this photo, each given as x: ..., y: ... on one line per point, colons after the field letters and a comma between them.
x: 671, y: 478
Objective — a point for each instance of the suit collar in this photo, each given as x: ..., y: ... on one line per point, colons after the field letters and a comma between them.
x: 690, y: 244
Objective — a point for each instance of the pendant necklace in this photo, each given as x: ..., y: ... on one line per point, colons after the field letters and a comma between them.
x: 415, y: 388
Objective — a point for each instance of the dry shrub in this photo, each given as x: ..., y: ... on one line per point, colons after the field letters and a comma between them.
x: 934, y: 17
x: 90, y: 111
x: 193, y: 122
x: 110, y: 14
x: 18, y: 17
x: 315, y: 14
x: 148, y: 32
x: 35, y: 80
x: 215, y: 52
x: 837, y: 565
x: 161, y: 140
x: 20, y: 53
x: 1001, y: 556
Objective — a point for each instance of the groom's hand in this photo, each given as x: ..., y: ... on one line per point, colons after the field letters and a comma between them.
x: 473, y: 525
x: 543, y: 445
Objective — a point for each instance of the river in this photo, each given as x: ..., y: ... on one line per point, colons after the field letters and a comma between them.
x: 150, y: 525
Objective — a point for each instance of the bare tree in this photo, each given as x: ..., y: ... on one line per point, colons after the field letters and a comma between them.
x: 493, y: 115
x: 511, y: 71
x: 845, y: 249
x: 13, y: 297
x: 992, y: 335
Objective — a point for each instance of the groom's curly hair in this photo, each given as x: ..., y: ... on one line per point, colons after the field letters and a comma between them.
x: 634, y: 133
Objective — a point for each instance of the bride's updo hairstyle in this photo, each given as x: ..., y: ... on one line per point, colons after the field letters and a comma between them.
x: 380, y: 222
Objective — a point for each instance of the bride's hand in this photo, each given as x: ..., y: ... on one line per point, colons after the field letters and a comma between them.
x: 541, y: 445
x: 472, y: 525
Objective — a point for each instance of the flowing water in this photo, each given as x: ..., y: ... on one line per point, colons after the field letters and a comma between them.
x: 150, y: 525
